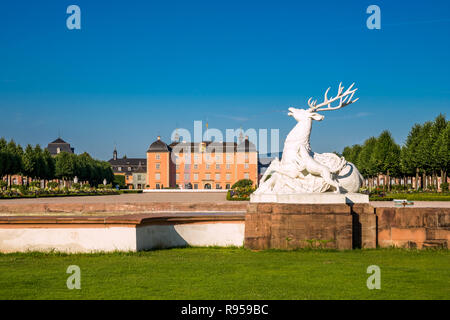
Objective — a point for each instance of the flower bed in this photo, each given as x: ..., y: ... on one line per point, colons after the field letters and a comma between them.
x: 17, y: 192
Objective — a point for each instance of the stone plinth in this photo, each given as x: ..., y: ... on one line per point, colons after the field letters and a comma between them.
x: 413, y: 227
x: 311, y: 198
x: 290, y: 226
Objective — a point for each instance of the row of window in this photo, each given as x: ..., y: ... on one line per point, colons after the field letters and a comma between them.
x: 195, y: 176
x: 187, y: 166
x: 218, y: 157
x: 196, y: 186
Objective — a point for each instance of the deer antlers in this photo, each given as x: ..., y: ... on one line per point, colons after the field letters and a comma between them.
x: 345, y: 98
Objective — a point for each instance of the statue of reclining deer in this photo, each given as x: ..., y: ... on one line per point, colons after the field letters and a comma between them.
x: 301, y: 170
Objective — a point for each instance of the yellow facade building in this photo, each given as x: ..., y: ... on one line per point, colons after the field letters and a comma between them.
x: 200, y: 165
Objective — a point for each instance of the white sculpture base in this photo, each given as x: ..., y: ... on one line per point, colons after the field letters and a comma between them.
x: 312, y: 198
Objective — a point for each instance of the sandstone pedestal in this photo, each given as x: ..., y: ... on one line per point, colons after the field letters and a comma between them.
x: 290, y: 226
x: 311, y: 198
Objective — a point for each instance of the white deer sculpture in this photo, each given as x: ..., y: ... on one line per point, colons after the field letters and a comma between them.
x: 303, y: 171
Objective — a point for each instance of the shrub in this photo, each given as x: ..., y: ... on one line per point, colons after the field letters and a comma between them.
x: 3, y: 184
x: 86, y: 186
x: 35, y: 184
x: 119, y: 180
x: 241, y: 190
x: 242, y: 184
x: 76, y: 186
x: 53, y: 185
x: 444, y: 187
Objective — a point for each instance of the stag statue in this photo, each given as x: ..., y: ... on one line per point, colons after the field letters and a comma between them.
x: 303, y: 171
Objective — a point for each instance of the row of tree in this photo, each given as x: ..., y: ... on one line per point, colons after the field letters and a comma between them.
x: 425, y: 155
x: 33, y: 163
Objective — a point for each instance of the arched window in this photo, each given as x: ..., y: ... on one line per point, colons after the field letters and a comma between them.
x: 207, y: 186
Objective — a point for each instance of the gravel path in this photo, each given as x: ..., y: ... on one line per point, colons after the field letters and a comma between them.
x: 187, y: 197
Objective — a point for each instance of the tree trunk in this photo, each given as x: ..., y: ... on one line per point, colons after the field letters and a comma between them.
x: 388, y: 181
x: 417, y: 179
x: 424, y: 180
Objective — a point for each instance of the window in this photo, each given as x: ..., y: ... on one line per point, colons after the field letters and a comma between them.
x: 208, y: 176
x: 157, y: 176
x: 177, y: 167
x: 217, y: 176
x: 158, y: 166
x: 129, y: 168
x: 228, y: 166
x: 186, y: 177
x: 119, y: 168
x: 246, y: 166
x: 218, y: 186
x: 246, y: 156
x: 157, y: 186
x: 158, y: 156
x: 58, y: 150
x: 177, y: 176
x: 139, y: 177
x: 208, y: 166
x: 195, y: 166
x: 228, y: 176
x: 246, y: 176
x: 227, y: 186
x: 195, y: 186
x: 186, y: 167
x: 195, y: 176
x: 218, y: 166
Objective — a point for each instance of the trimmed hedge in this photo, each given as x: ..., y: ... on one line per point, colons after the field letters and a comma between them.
x: 130, y: 191
x: 58, y: 195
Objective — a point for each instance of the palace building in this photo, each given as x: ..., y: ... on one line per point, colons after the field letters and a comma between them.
x: 200, y: 165
x: 58, y: 146
x: 133, y: 169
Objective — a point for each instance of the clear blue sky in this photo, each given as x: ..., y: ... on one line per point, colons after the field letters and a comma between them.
x: 138, y: 69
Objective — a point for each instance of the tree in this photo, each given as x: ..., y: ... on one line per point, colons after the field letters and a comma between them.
x: 385, y: 156
x: 363, y: 161
x: 437, y: 163
x: 85, y: 167
x: 409, y: 159
x: 442, y: 152
x: 29, y: 162
x: 49, y: 163
x: 424, y: 152
x: 39, y: 172
x: 64, y: 166
x: 351, y: 153
x: 3, y: 158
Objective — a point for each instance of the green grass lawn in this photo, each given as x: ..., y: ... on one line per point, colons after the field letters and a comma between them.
x: 419, y: 196
x: 228, y: 273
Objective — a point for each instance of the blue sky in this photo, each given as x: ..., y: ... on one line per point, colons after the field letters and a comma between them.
x: 138, y: 69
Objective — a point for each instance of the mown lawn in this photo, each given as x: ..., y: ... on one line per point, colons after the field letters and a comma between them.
x: 228, y: 273
x: 419, y: 196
